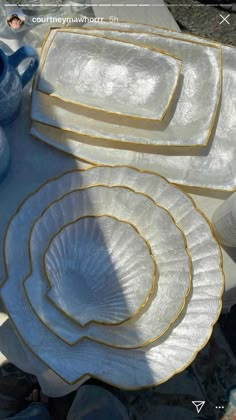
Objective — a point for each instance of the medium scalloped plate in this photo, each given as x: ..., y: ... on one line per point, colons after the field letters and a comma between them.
x: 167, y: 246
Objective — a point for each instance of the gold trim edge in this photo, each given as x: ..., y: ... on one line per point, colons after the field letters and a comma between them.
x: 163, y: 52
x: 197, y: 188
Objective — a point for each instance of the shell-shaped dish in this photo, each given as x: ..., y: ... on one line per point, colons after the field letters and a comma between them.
x: 168, y: 247
x: 112, y: 76
x: 99, y: 269
x: 129, y: 369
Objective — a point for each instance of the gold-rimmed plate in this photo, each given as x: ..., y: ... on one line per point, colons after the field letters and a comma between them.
x: 213, y: 168
x: 97, y: 268
x: 167, y: 246
x: 127, y: 369
x: 186, y: 125
x: 115, y: 77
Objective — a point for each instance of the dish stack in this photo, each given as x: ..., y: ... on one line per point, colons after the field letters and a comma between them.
x: 112, y: 272
x: 132, y: 94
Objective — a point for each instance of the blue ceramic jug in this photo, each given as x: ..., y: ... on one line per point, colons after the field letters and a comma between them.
x: 12, y: 83
x: 4, y: 154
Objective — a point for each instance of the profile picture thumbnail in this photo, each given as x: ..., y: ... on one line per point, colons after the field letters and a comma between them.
x: 16, y: 20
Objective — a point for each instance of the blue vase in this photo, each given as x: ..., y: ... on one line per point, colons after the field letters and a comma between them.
x: 12, y: 83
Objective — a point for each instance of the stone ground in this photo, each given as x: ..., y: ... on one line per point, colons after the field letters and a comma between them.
x: 204, y: 20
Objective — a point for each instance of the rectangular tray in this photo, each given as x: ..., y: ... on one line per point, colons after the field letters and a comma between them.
x: 187, y: 125
x: 213, y: 168
x: 111, y: 76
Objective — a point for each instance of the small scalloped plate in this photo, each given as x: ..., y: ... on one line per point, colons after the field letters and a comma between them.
x: 99, y: 269
x: 115, y: 77
x: 155, y: 363
x: 167, y: 245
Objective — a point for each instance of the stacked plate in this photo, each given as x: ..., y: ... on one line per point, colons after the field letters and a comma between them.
x: 132, y: 94
x: 112, y: 273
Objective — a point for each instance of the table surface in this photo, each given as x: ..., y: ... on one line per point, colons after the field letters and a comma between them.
x: 33, y: 162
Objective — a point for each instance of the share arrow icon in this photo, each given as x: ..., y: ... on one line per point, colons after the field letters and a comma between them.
x: 198, y: 405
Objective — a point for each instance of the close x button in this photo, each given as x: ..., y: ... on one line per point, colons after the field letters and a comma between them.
x: 224, y: 19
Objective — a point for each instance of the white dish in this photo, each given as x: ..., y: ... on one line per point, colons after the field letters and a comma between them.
x: 213, y: 168
x: 166, y: 244
x: 128, y: 369
x: 111, y: 76
x: 186, y: 125
x: 98, y: 269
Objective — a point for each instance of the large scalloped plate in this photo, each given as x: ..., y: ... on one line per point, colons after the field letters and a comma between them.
x: 213, y: 168
x: 187, y: 124
x: 111, y: 76
x: 167, y: 245
x: 128, y: 369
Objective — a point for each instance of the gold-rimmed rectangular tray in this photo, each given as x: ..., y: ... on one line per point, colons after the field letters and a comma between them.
x: 115, y: 77
x: 187, y: 125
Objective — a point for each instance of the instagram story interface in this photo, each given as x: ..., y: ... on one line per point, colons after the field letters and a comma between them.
x: 118, y: 209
